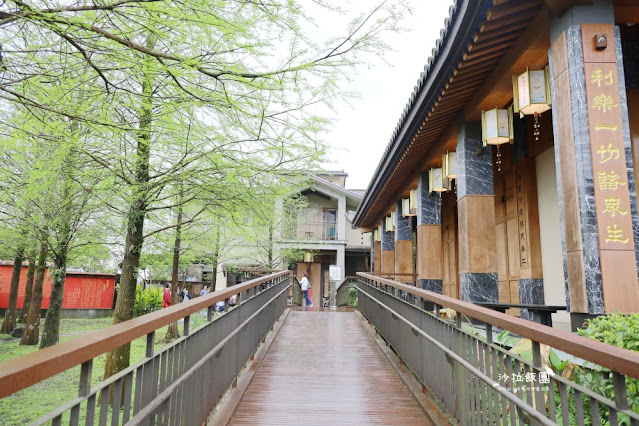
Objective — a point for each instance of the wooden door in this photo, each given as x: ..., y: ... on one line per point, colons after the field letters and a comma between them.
x: 315, y: 276
x: 449, y: 245
x: 506, y: 230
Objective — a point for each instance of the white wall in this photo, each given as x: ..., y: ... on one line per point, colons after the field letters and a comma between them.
x: 354, y: 238
x: 551, y: 255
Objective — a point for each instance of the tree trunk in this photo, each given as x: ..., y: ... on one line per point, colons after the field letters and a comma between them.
x: 51, y: 331
x: 172, y: 332
x: 270, y: 246
x: 10, y: 317
x: 214, y: 261
x: 32, y: 328
x: 28, y: 292
x: 119, y: 359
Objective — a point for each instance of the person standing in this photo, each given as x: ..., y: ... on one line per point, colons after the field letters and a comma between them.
x: 166, y: 299
x: 186, y: 296
x: 306, y: 290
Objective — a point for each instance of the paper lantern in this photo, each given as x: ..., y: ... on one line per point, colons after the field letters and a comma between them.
x: 449, y: 165
x: 437, y: 182
x: 531, y: 92
x: 497, y: 126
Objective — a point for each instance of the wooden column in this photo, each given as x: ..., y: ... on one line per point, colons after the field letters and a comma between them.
x: 377, y: 253
x: 429, y: 238
x: 595, y: 171
x: 476, y: 216
x: 403, y: 245
x: 388, y: 250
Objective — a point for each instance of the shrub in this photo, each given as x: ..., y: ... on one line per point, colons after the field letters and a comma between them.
x: 614, y: 329
x: 147, y: 300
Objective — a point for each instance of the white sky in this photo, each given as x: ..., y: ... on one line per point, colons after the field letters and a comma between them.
x: 362, y: 130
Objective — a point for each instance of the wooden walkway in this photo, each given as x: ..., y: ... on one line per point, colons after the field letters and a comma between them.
x: 324, y: 368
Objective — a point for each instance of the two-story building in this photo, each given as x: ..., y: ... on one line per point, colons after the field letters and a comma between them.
x: 323, y: 229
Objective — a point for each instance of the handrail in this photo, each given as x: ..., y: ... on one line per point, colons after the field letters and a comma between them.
x: 348, y: 278
x: 22, y: 372
x: 399, y: 274
x: 612, y: 357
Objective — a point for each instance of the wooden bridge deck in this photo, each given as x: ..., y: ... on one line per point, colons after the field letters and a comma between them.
x: 324, y: 368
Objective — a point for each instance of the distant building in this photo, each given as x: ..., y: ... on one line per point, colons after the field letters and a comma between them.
x: 323, y: 229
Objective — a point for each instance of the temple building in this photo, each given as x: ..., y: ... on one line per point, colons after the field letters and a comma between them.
x: 510, y: 176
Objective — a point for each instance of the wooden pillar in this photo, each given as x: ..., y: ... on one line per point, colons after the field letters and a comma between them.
x: 388, y: 250
x: 377, y: 255
x: 429, y: 238
x: 476, y: 214
x: 595, y: 176
x: 403, y: 245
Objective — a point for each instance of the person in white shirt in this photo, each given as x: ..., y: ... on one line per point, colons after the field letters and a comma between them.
x: 306, y: 290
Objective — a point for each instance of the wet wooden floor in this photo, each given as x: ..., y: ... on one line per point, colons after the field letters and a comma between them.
x: 324, y: 368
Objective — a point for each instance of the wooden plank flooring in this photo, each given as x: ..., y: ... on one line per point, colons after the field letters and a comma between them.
x: 324, y: 368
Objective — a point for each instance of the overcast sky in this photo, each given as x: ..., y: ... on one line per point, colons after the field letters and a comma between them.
x: 362, y: 130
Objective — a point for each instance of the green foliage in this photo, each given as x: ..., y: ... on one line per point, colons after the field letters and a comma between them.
x: 620, y: 330
x: 147, y: 300
x: 291, y: 256
x: 28, y: 405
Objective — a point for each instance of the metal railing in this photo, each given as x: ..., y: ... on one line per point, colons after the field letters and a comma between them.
x: 480, y: 381
x: 347, y: 293
x: 311, y: 231
x: 178, y: 384
x: 402, y: 278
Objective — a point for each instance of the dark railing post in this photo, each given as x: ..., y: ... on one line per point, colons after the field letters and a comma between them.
x: 187, y: 327
x: 489, y: 333
x: 621, y: 393
x: 85, y: 378
x: 150, y: 343
x: 461, y: 385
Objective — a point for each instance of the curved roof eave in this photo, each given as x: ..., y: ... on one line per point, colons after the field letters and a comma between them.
x: 464, y: 18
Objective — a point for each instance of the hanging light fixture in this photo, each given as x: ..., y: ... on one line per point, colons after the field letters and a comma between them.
x: 531, y: 94
x: 409, y: 205
x: 497, y: 129
x: 376, y: 235
x: 449, y: 165
x: 412, y: 197
x: 390, y: 222
x: 437, y: 182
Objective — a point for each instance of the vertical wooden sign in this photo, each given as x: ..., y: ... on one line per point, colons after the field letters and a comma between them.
x: 610, y: 177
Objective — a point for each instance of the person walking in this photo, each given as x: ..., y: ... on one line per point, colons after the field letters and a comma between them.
x: 166, y: 299
x: 306, y: 290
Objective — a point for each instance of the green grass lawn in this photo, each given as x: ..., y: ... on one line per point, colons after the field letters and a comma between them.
x: 32, y: 403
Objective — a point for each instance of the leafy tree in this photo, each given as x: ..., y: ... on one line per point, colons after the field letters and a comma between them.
x: 240, y: 75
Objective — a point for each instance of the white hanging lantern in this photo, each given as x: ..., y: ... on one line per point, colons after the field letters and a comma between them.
x: 531, y: 92
x: 449, y: 165
x: 413, y: 201
x: 497, y: 126
x: 409, y: 207
x: 390, y: 223
x: 437, y: 182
